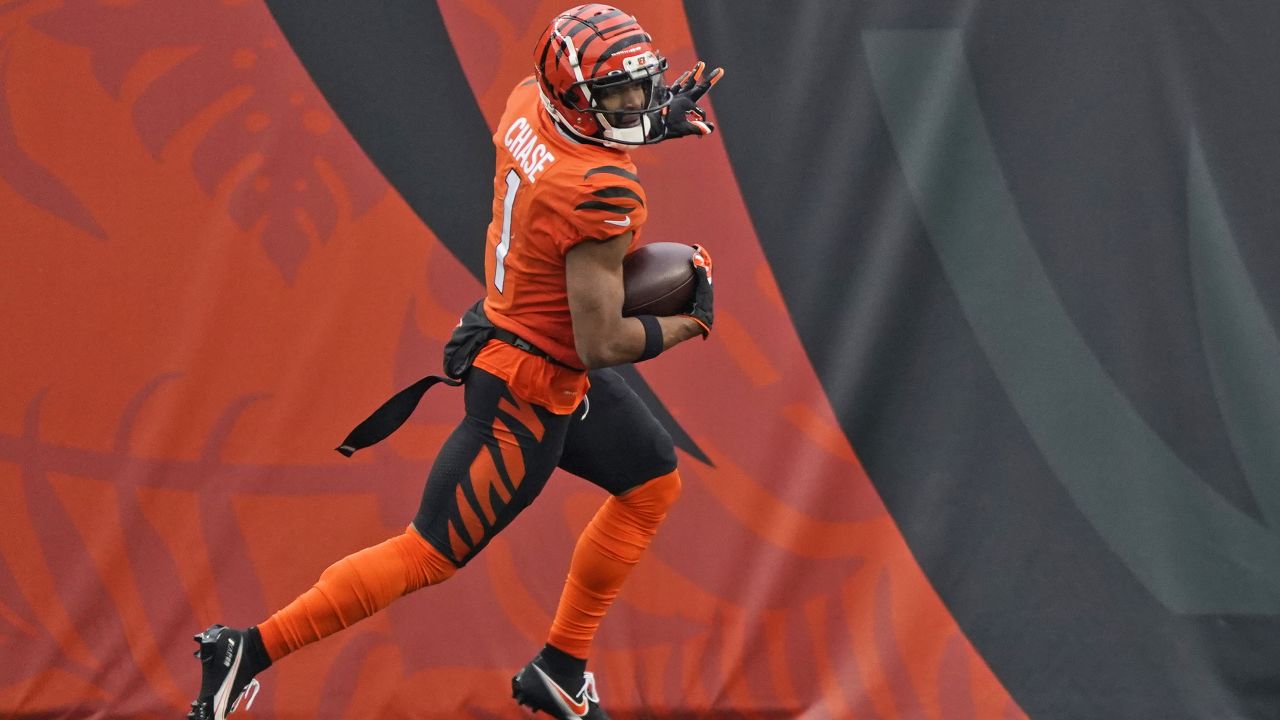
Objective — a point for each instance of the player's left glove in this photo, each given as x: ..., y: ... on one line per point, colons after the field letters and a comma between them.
x: 683, y: 117
x: 702, y: 310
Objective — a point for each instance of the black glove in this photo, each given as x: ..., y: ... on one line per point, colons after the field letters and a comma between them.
x: 702, y: 310
x: 682, y: 116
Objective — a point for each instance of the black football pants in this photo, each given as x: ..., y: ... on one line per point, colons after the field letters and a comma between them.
x: 500, y: 456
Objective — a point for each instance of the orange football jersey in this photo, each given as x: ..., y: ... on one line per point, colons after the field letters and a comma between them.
x: 549, y: 194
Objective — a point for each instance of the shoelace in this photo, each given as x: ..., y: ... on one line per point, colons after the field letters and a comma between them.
x: 250, y: 691
x: 589, y: 688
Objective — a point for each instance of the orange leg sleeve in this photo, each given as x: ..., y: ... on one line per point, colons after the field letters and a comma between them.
x: 354, y: 588
x: 608, y: 548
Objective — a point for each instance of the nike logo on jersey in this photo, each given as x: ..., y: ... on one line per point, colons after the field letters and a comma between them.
x: 624, y: 222
x: 527, y: 149
x: 567, y: 701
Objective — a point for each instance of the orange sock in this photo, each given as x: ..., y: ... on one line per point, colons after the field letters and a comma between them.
x: 354, y: 588
x: 608, y: 548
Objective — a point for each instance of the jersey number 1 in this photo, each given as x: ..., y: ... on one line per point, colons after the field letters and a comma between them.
x: 509, y: 201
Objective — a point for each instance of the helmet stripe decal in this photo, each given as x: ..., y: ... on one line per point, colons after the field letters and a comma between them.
x: 633, y: 39
x: 595, y: 21
x: 573, y: 61
x: 605, y: 34
x: 542, y: 69
x: 577, y: 29
x: 566, y: 34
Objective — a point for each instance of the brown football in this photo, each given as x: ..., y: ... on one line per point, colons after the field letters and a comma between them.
x: 658, y: 279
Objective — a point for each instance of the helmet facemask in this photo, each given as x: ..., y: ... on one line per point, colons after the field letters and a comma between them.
x: 623, y: 125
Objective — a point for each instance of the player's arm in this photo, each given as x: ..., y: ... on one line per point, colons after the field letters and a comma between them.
x: 593, y: 276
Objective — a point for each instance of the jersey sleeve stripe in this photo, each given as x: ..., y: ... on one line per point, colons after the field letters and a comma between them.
x: 612, y: 170
x: 618, y: 192
x: 600, y: 205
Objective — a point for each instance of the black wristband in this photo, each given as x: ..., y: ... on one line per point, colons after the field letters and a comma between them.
x: 652, y: 337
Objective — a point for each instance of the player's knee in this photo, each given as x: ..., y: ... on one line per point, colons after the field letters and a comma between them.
x: 656, y: 496
x: 431, y: 567
x: 667, y: 489
x: 335, y: 573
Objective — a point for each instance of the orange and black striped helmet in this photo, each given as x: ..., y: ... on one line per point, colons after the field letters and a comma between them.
x: 587, y: 51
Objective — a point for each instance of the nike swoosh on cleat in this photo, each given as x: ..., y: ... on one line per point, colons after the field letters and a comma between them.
x: 579, y: 709
x: 625, y: 222
x: 223, y: 697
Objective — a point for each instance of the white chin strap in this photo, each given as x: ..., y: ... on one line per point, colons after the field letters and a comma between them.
x: 629, y: 135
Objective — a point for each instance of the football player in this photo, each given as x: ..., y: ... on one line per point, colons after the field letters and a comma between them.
x: 567, y: 207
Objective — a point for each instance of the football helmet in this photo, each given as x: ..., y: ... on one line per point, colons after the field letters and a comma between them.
x: 588, y: 52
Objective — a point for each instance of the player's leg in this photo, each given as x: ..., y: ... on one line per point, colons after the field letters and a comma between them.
x: 620, y: 446
x: 515, y: 448
x: 615, y: 442
x: 350, y: 590
x: 491, y: 467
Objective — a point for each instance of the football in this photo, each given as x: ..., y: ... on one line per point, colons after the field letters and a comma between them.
x: 658, y: 279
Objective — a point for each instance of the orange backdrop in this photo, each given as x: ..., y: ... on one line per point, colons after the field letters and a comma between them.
x: 206, y: 283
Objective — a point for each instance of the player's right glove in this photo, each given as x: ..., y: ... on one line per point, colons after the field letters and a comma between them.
x: 703, y: 308
x: 682, y: 116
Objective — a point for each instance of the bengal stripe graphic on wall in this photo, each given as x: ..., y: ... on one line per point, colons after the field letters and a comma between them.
x: 997, y: 298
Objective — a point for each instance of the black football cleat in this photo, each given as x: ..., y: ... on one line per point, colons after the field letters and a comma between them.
x: 534, y: 687
x: 225, y: 679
